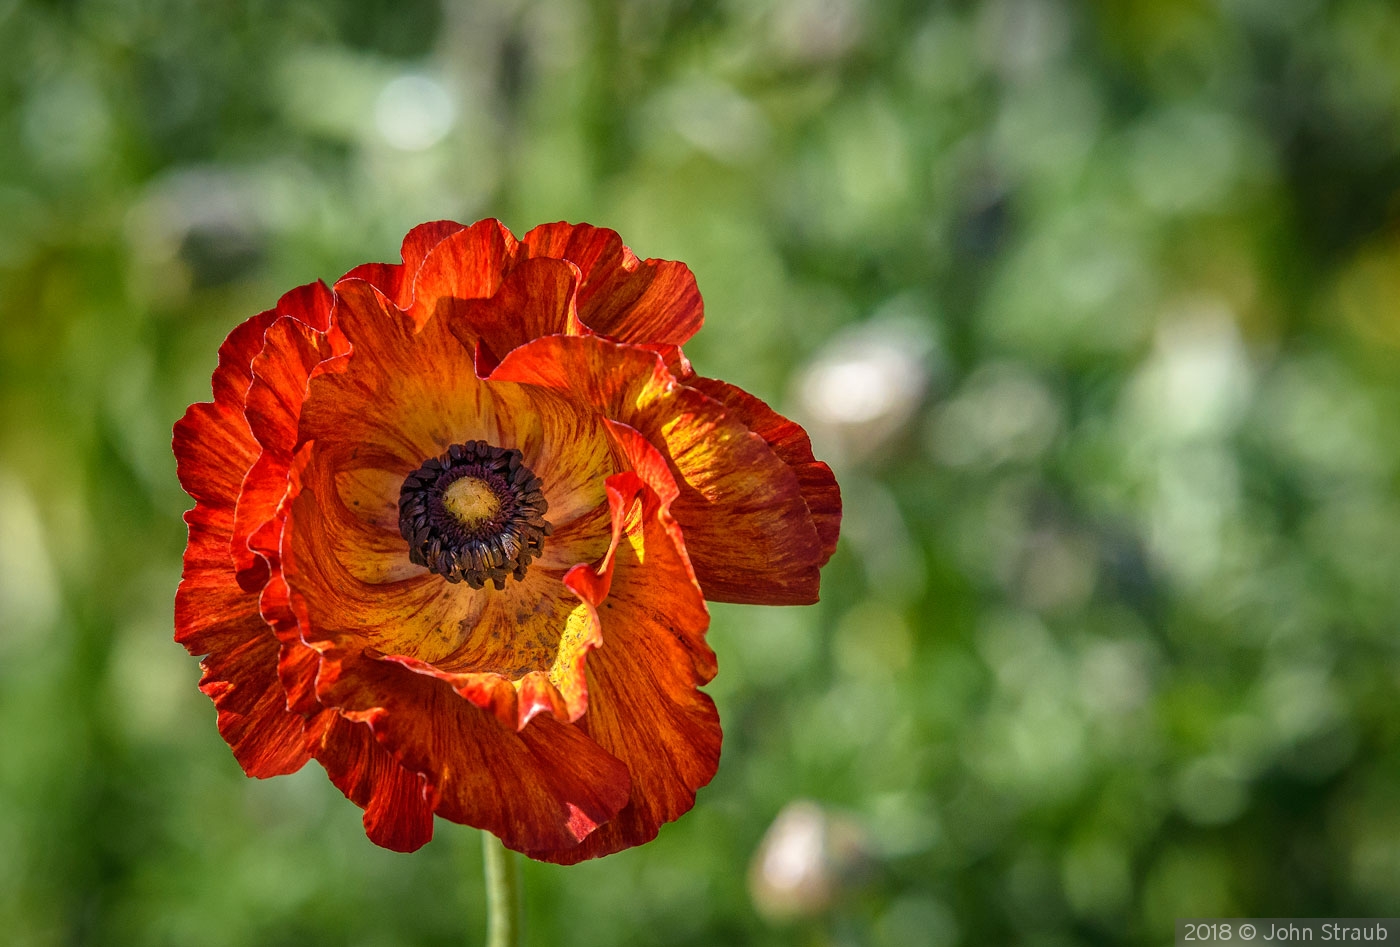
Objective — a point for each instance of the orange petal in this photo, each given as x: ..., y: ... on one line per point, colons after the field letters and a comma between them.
x: 397, y: 814
x: 242, y: 681
x: 622, y: 297
x: 297, y: 664
x: 486, y: 643
x: 645, y: 706
x: 293, y: 347
x: 395, y: 280
x: 468, y: 264
x: 516, y: 653
x: 536, y: 298
x: 403, y: 395
x: 213, y: 615
x: 407, y: 395
x: 540, y: 790
x: 793, y: 447
x: 748, y: 530
x: 236, y: 355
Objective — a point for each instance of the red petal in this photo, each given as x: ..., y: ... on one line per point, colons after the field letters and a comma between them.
x: 468, y: 264
x: 621, y: 296
x: 541, y: 790
x: 213, y: 615
x: 397, y: 814
x: 241, y: 679
x: 536, y: 298
x: 236, y: 355
x: 793, y: 447
x: 294, y: 346
x: 749, y: 533
x: 395, y: 280
x: 645, y: 706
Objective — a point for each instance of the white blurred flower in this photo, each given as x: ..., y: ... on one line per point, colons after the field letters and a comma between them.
x: 807, y: 859
x: 414, y: 112
x: 867, y: 381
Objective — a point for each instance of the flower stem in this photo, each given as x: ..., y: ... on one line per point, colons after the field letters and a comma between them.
x: 502, y: 893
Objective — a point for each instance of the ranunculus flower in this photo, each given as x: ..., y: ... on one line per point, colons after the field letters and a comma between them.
x: 455, y: 523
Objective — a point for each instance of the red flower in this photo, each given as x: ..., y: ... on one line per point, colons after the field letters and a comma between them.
x: 429, y: 498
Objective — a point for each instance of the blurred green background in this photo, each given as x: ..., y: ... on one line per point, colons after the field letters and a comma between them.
x: 1094, y: 306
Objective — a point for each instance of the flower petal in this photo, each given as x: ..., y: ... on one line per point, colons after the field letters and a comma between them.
x: 397, y: 814
x: 622, y: 297
x: 395, y: 280
x: 478, y: 640
x: 467, y: 264
x: 748, y: 530
x: 408, y: 395
x: 793, y: 447
x: 645, y: 706
x: 540, y: 790
x: 536, y: 298
x: 213, y: 615
x: 293, y: 347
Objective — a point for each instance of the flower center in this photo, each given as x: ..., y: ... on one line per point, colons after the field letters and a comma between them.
x: 471, y: 500
x: 475, y: 514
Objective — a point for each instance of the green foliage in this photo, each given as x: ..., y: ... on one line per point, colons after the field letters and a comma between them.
x: 1095, y: 307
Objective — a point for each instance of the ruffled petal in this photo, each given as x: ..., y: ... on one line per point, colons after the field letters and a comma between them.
x: 395, y: 280
x: 515, y: 653
x: 236, y: 354
x: 622, y: 297
x: 467, y: 264
x: 408, y: 395
x: 503, y: 650
x: 536, y: 298
x: 541, y: 790
x: 213, y: 615
x: 645, y: 704
x: 793, y: 447
x: 748, y: 530
x: 293, y: 347
x: 397, y: 813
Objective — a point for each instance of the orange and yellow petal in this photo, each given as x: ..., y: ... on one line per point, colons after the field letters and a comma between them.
x: 787, y: 440
x: 645, y: 705
x: 541, y: 790
x: 516, y: 652
x: 749, y: 532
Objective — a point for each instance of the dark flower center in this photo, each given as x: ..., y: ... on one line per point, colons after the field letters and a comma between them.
x: 475, y: 513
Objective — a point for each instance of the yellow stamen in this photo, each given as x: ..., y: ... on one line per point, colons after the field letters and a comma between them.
x: 471, y: 501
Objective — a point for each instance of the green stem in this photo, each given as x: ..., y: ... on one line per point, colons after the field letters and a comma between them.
x: 502, y: 893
